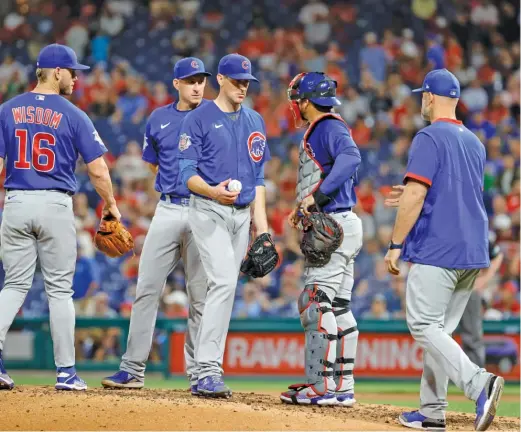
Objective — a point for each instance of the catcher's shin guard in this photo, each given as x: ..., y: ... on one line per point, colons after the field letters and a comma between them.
x: 316, y: 316
x: 346, y: 345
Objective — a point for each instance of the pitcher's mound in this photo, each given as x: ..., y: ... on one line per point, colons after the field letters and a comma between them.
x: 43, y: 408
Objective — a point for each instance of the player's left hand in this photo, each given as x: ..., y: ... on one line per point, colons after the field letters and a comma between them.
x: 294, y: 218
x: 393, y: 200
x: 391, y: 259
x: 306, y: 204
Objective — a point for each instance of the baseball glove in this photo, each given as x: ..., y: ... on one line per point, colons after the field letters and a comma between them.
x: 262, y: 257
x: 322, y: 236
x: 112, y: 238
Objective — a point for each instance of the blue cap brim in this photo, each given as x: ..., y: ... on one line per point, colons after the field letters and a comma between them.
x: 193, y: 74
x: 243, y: 76
x: 418, y: 90
x: 79, y: 66
x: 326, y: 101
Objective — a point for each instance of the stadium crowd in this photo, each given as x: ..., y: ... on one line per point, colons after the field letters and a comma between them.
x: 376, y: 50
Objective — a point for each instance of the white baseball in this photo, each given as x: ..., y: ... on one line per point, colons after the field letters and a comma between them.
x: 235, y: 186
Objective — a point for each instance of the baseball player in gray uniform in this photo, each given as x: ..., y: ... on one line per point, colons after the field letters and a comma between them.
x: 442, y: 229
x: 329, y: 160
x: 41, y: 136
x: 471, y: 324
x: 221, y: 141
x: 169, y: 237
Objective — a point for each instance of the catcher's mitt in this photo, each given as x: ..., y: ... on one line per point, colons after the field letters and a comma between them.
x: 322, y: 236
x: 112, y: 238
x: 262, y: 257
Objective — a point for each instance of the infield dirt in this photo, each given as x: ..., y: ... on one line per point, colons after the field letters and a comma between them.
x: 43, y: 408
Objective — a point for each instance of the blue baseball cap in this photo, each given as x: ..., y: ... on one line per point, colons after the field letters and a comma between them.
x: 440, y: 82
x: 236, y: 66
x: 188, y: 67
x: 56, y: 55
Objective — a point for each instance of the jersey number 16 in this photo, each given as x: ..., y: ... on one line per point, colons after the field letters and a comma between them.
x: 24, y: 161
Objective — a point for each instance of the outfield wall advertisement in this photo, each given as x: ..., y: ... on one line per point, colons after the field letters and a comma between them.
x: 380, y: 355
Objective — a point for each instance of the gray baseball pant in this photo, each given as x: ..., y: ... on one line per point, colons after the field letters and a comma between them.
x: 222, y: 234
x: 435, y: 300
x: 169, y: 238
x: 40, y: 224
x: 471, y: 330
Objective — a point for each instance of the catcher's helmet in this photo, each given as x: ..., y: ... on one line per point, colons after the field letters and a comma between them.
x: 314, y: 86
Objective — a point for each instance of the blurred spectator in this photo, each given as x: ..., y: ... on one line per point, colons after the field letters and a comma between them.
x: 373, y: 57
x: 100, y: 47
x: 506, y: 300
x: 475, y: 97
x: 77, y: 37
x: 484, y: 13
x: 100, y: 307
x: 314, y: 16
x: 378, y: 309
x: 176, y: 305
x: 285, y: 305
x: 129, y: 166
x: 435, y: 53
x: 110, y: 23
x: 85, y: 282
x: 132, y: 105
x: 159, y: 97
x: 101, y: 105
x: 252, y: 303
x: 10, y: 69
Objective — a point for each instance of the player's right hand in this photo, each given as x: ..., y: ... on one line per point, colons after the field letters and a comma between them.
x: 111, y: 210
x: 393, y: 199
x: 223, y: 195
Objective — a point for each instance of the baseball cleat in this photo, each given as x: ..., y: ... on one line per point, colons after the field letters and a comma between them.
x: 122, y: 380
x: 416, y: 420
x: 194, y: 391
x: 67, y: 379
x: 345, y: 399
x: 213, y: 386
x: 303, y: 394
x: 487, y: 403
x: 6, y: 383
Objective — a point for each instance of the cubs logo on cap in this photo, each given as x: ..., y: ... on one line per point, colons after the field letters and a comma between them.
x: 194, y: 64
x: 245, y: 64
x: 256, y: 146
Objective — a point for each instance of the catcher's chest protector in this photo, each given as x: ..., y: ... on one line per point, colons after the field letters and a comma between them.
x: 310, y: 172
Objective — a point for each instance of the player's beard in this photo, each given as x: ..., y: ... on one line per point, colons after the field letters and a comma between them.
x: 65, y: 90
x: 426, y: 113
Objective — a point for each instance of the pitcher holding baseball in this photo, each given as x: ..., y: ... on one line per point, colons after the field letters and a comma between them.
x: 223, y: 151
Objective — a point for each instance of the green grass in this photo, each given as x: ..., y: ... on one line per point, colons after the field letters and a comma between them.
x: 384, y: 388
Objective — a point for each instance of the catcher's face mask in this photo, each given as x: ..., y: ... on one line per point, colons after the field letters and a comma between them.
x: 294, y: 98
